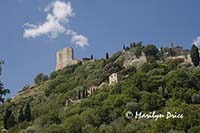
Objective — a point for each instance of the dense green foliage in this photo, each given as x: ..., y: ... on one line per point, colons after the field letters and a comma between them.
x: 161, y: 86
x: 151, y: 51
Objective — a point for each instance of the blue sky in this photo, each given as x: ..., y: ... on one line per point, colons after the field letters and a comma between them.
x: 97, y: 27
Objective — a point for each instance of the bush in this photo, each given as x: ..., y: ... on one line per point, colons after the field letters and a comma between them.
x: 195, y: 98
x: 56, y: 129
x: 151, y: 101
x: 195, y: 129
x: 40, y: 78
x: 151, y: 51
x: 74, y: 124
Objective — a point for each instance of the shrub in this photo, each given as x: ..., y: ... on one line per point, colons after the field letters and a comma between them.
x: 195, y: 98
x: 40, y: 78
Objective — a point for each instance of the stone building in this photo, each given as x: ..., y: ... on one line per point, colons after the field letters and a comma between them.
x: 65, y: 57
x: 180, y: 54
x: 91, y: 90
x: 113, y: 79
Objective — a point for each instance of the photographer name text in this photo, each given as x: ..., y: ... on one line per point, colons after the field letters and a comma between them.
x: 154, y: 115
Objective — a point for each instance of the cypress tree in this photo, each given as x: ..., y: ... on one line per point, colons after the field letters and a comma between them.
x: 79, y: 94
x: 124, y: 47
x: 27, y: 113
x: 6, y: 117
x: 194, y: 54
x: 21, y: 115
x: 11, y: 121
x: 91, y: 57
x: 84, y: 95
x: 107, y: 56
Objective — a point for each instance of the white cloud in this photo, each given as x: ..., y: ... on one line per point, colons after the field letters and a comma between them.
x: 197, y: 41
x: 61, y: 10
x: 57, y: 22
x: 51, y: 27
x: 77, y: 39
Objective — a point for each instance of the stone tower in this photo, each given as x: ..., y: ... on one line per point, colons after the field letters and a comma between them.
x: 65, y: 57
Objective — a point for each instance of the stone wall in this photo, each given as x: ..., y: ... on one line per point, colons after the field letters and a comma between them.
x: 186, y: 58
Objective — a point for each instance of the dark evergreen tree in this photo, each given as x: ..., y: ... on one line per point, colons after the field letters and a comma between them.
x: 107, y: 56
x: 92, y: 57
x: 8, y: 119
x: 124, y: 47
x: 21, y: 115
x: 40, y: 78
x: 79, y: 94
x: 11, y: 121
x: 6, y: 116
x: 194, y: 54
x: 27, y: 112
x: 84, y: 93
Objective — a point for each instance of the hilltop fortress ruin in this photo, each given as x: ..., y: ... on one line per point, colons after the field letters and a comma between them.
x: 65, y: 57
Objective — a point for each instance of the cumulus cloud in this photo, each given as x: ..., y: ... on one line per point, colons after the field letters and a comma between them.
x: 51, y: 27
x: 60, y: 10
x: 57, y: 22
x: 77, y: 39
x: 197, y: 41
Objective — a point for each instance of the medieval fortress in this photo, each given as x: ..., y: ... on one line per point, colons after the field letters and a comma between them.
x: 65, y: 57
x: 182, y: 54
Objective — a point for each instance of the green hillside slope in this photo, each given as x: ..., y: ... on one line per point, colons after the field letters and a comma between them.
x: 62, y: 104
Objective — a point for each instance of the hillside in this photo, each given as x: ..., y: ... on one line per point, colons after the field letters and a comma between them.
x: 147, y: 81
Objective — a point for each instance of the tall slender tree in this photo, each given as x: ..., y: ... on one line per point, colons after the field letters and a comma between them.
x: 27, y: 112
x: 124, y: 47
x: 6, y: 116
x: 11, y: 121
x: 107, y: 56
x: 79, y: 94
x: 91, y: 57
x: 8, y: 119
x: 21, y: 115
x: 194, y: 54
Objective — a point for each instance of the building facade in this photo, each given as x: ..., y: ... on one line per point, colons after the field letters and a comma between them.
x: 113, y: 79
